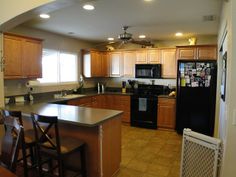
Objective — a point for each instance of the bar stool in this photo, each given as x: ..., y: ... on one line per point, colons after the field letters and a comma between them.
x: 11, y: 143
x: 28, y: 141
x: 57, y: 148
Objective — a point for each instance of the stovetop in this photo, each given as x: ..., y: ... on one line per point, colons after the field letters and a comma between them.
x: 144, y: 89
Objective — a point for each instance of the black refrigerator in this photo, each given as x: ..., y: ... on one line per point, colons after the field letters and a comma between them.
x: 196, y: 95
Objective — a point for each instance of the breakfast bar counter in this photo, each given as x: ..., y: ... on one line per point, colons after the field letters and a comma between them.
x: 100, y: 129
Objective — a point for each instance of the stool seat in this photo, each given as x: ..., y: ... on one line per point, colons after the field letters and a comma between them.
x: 29, y: 136
x: 68, y: 145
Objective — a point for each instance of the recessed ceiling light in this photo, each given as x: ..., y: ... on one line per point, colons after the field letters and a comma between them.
x: 44, y: 16
x: 142, y: 36
x: 110, y: 39
x: 148, y: 0
x: 88, y: 7
x: 178, y: 34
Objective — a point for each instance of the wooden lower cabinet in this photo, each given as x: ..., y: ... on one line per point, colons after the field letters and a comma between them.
x: 166, y: 113
x: 115, y: 102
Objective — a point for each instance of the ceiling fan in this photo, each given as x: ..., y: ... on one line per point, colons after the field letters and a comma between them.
x: 126, y: 37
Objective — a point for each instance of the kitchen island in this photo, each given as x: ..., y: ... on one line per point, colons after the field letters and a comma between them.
x: 99, y: 128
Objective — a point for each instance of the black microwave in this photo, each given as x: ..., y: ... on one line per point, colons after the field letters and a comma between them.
x: 148, y: 71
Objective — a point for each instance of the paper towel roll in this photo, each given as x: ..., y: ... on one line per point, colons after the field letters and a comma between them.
x: 32, y: 83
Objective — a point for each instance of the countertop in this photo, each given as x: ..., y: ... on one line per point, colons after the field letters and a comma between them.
x: 66, y: 113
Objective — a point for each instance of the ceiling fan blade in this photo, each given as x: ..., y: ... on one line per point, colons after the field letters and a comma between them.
x: 143, y: 42
x: 120, y: 45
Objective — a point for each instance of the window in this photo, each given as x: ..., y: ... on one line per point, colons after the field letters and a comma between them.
x: 59, y: 67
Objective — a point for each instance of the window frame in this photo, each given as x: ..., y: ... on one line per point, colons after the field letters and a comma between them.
x: 58, y: 82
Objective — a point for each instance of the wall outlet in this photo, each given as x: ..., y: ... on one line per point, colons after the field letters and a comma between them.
x: 234, y: 117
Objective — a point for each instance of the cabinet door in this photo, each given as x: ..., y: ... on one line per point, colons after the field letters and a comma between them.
x: 153, y: 56
x: 96, y: 64
x: 115, y: 64
x: 105, y: 64
x: 129, y: 63
x: 166, y: 113
x: 32, y: 58
x: 208, y: 53
x: 141, y: 57
x: 186, y: 53
x: 168, y: 62
x: 13, y: 57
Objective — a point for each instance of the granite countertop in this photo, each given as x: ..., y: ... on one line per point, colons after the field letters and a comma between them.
x: 84, y: 116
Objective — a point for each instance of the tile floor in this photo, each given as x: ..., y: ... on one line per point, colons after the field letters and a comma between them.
x: 150, y: 153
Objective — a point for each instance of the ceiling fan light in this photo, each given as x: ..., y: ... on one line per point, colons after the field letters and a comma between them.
x: 142, y: 36
x: 125, y: 36
x: 88, y: 7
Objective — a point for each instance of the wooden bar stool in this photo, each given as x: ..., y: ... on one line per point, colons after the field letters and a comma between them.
x: 28, y: 141
x: 11, y: 143
x: 56, y: 147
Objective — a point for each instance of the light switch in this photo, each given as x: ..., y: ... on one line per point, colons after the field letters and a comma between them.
x: 234, y: 117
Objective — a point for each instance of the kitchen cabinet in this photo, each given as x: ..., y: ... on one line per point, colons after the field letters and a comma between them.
x: 116, y: 64
x: 129, y: 63
x: 141, y: 57
x: 115, y: 102
x: 105, y: 64
x: 147, y: 56
x: 153, y: 56
x: 168, y: 61
x: 119, y: 102
x: 201, y: 52
x: 22, y: 56
x: 94, y: 64
x: 166, y: 113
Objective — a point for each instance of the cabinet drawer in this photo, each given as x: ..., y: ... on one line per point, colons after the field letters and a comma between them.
x: 166, y: 100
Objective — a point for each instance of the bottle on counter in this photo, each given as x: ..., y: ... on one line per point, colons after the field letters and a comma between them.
x: 103, y: 88
x: 98, y: 87
x: 123, y: 86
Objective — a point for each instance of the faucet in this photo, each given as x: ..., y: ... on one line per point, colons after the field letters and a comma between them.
x: 63, y: 93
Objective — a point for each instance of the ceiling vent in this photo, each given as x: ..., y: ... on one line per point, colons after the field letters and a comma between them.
x: 208, y: 18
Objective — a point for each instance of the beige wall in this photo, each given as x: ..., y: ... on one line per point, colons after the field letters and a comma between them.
x: 51, y: 41
x: 11, y: 8
x: 229, y: 157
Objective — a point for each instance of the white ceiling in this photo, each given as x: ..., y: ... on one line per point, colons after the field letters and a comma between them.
x: 158, y: 20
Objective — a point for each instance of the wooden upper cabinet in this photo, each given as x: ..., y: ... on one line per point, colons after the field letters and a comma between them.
x: 23, y: 57
x: 105, y: 64
x: 129, y: 63
x: 147, y: 56
x: 141, y: 57
x: 32, y: 58
x: 153, y: 56
x: 168, y: 62
x: 186, y: 53
x: 201, y: 52
x: 13, y: 56
x: 116, y: 64
x: 208, y: 53
x: 95, y: 64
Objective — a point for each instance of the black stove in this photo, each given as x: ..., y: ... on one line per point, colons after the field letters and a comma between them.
x: 144, y: 106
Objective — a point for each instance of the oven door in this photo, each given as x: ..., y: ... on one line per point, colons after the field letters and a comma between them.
x: 144, y: 111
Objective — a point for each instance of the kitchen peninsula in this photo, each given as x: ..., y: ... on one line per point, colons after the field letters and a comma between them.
x: 99, y: 128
